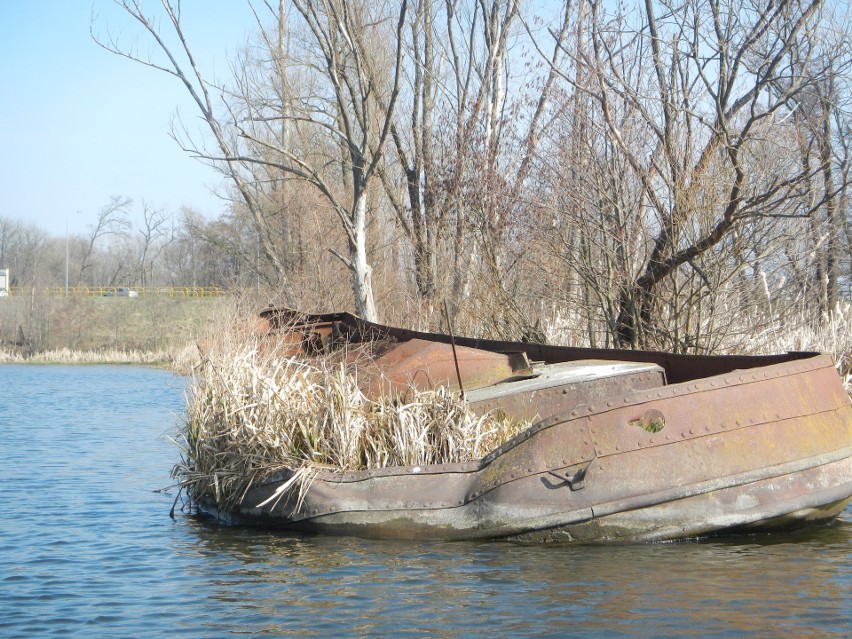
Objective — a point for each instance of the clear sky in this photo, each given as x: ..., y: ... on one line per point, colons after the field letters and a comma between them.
x: 78, y: 124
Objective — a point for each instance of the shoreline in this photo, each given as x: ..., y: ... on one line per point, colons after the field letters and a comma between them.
x: 177, y: 360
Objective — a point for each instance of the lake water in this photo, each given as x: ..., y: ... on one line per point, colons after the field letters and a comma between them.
x: 87, y: 549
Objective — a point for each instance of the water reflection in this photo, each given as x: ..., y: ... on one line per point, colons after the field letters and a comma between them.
x: 743, y: 587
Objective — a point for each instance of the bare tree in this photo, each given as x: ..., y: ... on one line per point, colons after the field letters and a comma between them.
x: 687, y: 94
x: 345, y: 48
x: 154, y: 234
x: 9, y: 230
x: 464, y: 147
x: 411, y: 195
x: 180, y: 63
x: 363, y: 106
x: 112, y: 219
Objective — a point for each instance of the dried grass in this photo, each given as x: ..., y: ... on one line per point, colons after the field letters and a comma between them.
x: 832, y: 335
x: 180, y: 359
x: 252, y: 412
x: 105, y: 356
x: 757, y: 330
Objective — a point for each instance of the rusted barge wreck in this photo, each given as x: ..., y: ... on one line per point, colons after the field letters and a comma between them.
x: 626, y: 446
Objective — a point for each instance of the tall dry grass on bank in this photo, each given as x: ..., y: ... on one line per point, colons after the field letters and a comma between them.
x: 41, y: 328
x: 67, y: 356
x: 179, y: 359
x: 831, y: 334
x: 253, y: 411
x: 757, y: 331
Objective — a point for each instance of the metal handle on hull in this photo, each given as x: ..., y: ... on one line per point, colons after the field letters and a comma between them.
x: 577, y: 481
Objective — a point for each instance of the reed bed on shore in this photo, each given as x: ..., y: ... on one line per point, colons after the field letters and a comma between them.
x: 106, y: 356
x: 253, y: 411
x: 182, y: 359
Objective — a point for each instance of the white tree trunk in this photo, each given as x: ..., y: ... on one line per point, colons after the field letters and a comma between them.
x: 362, y: 273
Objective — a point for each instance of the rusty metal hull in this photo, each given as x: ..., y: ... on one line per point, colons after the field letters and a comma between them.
x: 759, y: 444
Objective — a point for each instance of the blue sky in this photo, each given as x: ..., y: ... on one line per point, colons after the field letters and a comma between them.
x: 78, y: 124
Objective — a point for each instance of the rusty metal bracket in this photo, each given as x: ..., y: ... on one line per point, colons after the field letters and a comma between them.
x: 577, y: 481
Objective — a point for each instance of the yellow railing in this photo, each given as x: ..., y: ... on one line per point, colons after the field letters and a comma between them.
x: 186, y: 292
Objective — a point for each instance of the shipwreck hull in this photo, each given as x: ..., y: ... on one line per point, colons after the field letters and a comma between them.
x: 724, y: 448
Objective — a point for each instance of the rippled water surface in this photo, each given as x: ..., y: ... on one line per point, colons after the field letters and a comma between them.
x: 87, y: 549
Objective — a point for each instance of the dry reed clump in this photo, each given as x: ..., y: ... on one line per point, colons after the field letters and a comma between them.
x: 252, y: 413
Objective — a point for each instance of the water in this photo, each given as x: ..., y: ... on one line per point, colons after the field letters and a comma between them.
x: 87, y: 549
